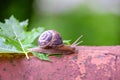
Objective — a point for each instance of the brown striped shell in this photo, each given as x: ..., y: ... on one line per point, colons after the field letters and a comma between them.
x: 49, y: 39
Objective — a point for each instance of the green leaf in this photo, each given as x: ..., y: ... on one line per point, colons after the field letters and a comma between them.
x: 31, y: 37
x: 12, y: 32
x: 41, y: 56
x: 4, y: 48
x: 14, y: 37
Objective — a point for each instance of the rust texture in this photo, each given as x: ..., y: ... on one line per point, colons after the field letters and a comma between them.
x: 90, y: 63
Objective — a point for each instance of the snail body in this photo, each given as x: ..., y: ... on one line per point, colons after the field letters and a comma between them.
x: 51, y: 42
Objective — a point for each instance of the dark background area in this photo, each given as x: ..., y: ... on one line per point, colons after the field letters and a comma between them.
x: 21, y: 9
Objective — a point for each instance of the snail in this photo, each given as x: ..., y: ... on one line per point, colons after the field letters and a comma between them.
x: 51, y: 42
x: 50, y: 39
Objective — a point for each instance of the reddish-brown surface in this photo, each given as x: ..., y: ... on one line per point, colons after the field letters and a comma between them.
x: 90, y: 63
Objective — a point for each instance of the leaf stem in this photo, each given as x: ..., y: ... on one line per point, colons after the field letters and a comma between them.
x: 21, y: 44
x: 23, y: 49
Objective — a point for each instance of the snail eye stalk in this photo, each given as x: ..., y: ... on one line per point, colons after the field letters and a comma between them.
x: 77, y: 41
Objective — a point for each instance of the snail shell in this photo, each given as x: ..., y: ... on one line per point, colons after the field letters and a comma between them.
x: 50, y: 39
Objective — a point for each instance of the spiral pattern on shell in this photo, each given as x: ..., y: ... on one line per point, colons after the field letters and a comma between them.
x: 50, y: 38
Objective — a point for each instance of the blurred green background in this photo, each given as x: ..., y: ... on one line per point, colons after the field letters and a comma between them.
x: 97, y: 20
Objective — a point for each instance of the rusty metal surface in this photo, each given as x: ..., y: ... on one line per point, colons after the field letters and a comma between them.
x: 90, y: 63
